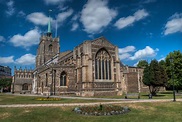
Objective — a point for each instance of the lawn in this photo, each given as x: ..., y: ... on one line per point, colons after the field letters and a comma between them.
x: 160, y: 95
x: 140, y: 112
x: 12, y: 99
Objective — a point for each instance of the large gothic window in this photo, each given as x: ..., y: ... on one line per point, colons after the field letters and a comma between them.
x: 63, y: 79
x: 25, y: 86
x: 103, y: 65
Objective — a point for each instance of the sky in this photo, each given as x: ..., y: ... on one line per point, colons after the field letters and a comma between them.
x: 142, y: 29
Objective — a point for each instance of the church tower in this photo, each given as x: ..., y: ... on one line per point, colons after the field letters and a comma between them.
x: 48, y: 47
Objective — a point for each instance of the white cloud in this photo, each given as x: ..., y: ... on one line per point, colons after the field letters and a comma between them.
x: 26, y: 59
x: 61, y: 17
x: 162, y: 59
x: 140, y: 14
x: 146, y: 52
x: 2, y: 39
x: 124, y: 56
x: 6, y: 60
x: 74, y: 26
x: 75, y: 17
x: 21, y: 14
x: 128, y: 21
x: 29, y: 39
x: 124, y: 53
x: 11, y: 9
x: 38, y: 18
x: 96, y: 15
x: 136, y: 64
x: 174, y: 24
x: 54, y: 2
x: 148, y: 1
x: 127, y: 49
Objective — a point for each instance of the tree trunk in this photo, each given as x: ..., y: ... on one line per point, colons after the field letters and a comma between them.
x: 177, y: 89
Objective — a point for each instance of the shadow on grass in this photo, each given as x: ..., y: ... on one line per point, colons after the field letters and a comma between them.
x: 166, y: 92
x: 160, y: 95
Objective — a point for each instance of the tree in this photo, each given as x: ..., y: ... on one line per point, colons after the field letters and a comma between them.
x: 174, y: 67
x: 5, y: 83
x: 162, y: 63
x: 154, y: 77
x: 142, y: 64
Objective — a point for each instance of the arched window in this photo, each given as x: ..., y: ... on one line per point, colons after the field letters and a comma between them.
x: 25, y: 86
x: 103, y: 65
x: 50, y: 47
x: 63, y: 79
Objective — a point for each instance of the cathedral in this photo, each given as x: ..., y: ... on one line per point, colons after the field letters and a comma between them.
x: 92, y: 68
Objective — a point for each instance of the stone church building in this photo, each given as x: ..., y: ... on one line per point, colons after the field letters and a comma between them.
x: 92, y: 68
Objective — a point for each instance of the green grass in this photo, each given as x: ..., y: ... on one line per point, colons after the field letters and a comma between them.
x: 12, y: 99
x: 140, y: 112
x: 160, y: 95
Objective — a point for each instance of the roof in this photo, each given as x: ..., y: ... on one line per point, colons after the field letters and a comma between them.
x: 64, y: 53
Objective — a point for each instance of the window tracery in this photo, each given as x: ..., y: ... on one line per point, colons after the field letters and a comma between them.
x: 103, y: 65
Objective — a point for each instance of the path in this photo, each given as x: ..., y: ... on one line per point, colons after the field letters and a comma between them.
x: 81, y: 104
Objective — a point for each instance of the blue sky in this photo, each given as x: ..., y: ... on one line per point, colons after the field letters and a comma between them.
x: 142, y: 29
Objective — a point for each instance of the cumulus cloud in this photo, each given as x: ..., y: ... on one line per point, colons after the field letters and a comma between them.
x: 54, y: 2
x: 61, y: 17
x: 2, y: 39
x: 128, y: 21
x: 38, y: 18
x: 6, y: 60
x: 146, y: 52
x: 26, y: 59
x: 75, y: 17
x: 29, y: 39
x: 11, y: 9
x: 124, y: 53
x: 96, y: 15
x: 74, y: 26
x: 163, y: 58
x: 136, y: 64
x: 174, y: 24
x: 127, y: 49
x: 124, y: 56
x: 147, y: 1
x: 21, y: 14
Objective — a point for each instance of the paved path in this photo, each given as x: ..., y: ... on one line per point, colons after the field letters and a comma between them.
x: 81, y: 104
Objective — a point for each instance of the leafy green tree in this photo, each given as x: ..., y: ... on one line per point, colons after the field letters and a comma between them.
x: 163, y: 74
x: 154, y: 77
x: 175, y: 68
x: 5, y: 82
x: 142, y: 64
x: 162, y: 63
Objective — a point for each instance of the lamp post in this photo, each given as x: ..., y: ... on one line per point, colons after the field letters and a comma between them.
x: 171, y: 61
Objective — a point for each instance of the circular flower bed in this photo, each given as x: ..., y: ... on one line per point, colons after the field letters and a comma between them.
x: 47, y: 99
x: 102, y: 110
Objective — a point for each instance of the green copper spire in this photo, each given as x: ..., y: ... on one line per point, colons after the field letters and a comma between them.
x: 49, y: 23
x: 49, y: 26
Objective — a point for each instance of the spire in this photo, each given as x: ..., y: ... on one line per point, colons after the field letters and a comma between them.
x: 49, y: 25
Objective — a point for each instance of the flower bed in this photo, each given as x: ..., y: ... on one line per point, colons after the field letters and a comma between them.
x: 102, y: 110
x: 47, y: 99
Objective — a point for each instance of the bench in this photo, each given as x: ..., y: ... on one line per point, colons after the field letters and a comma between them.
x: 131, y: 95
